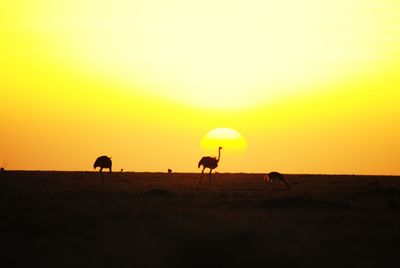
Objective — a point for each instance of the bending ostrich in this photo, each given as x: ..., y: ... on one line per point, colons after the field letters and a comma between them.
x: 275, y: 176
x: 103, y: 162
x: 209, y: 162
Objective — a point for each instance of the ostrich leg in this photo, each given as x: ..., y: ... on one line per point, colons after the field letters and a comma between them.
x: 201, y: 176
x: 287, y: 185
x: 209, y: 177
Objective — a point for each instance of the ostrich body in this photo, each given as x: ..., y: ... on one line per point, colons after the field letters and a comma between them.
x: 209, y: 162
x: 275, y: 176
x: 103, y: 162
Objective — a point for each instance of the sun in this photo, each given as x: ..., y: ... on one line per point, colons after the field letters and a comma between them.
x: 231, y: 140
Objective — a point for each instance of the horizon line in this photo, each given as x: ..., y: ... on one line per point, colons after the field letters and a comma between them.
x: 188, y: 172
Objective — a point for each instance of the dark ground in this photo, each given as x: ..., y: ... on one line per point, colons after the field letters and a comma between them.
x: 70, y: 219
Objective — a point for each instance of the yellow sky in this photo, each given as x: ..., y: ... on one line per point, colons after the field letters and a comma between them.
x: 313, y: 86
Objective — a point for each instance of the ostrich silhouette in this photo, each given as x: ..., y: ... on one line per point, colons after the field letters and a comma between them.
x: 103, y: 162
x: 209, y: 162
x: 275, y: 176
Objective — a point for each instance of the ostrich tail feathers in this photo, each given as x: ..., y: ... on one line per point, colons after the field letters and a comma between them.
x: 201, y: 162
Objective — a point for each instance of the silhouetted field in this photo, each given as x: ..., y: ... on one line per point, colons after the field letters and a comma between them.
x: 70, y: 219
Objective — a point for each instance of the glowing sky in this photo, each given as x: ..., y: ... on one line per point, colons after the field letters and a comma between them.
x: 313, y: 86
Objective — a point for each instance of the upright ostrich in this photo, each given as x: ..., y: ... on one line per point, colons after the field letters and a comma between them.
x: 209, y: 162
x: 275, y: 176
x: 103, y: 162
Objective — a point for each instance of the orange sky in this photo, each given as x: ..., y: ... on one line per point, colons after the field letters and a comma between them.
x: 312, y: 86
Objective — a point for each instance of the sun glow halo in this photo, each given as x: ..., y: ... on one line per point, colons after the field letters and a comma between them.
x: 231, y: 140
x: 213, y: 54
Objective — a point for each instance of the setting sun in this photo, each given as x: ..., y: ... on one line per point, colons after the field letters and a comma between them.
x: 231, y: 140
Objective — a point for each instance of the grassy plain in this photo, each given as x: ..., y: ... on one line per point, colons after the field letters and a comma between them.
x: 70, y: 219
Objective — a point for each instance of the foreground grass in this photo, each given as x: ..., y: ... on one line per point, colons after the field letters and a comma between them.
x: 67, y: 219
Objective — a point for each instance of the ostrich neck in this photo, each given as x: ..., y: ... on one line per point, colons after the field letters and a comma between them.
x: 219, y: 154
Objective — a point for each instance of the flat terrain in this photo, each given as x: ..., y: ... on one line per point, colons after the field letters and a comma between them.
x: 70, y: 219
